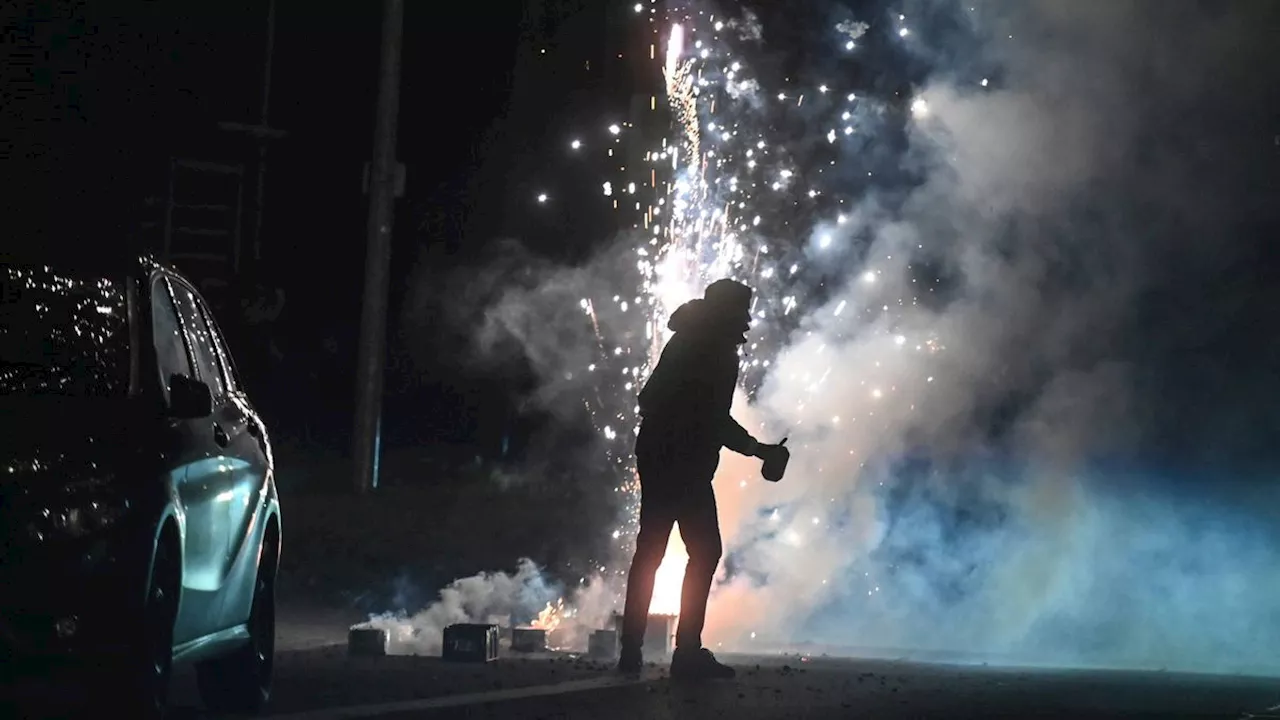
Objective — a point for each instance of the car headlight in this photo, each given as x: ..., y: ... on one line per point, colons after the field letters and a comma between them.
x: 77, y: 515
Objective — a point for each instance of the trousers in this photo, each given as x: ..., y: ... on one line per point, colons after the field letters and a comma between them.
x: 673, y: 493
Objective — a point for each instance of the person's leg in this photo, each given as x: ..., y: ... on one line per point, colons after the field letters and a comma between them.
x: 700, y: 530
x: 656, y: 518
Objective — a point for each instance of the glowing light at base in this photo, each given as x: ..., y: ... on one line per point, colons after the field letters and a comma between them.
x: 670, y: 578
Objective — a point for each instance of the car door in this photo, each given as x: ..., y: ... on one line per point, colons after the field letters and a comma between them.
x: 192, y: 456
x: 241, y: 460
x: 249, y: 451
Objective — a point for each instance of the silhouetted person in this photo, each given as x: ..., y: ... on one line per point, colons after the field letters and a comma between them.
x: 685, y: 421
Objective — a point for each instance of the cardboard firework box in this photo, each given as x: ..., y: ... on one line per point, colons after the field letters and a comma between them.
x: 659, y: 633
x: 603, y: 644
x: 505, y: 628
x: 368, y: 641
x: 528, y: 639
x: 470, y: 642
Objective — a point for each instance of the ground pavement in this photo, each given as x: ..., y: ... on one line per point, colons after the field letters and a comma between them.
x: 317, y: 680
x: 325, y: 684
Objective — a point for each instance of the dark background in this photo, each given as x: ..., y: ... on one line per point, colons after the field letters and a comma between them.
x: 98, y: 95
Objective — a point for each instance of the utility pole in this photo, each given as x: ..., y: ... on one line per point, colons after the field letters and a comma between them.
x: 383, y: 175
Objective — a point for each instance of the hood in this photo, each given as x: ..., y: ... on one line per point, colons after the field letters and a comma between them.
x: 692, y: 315
x: 702, y: 318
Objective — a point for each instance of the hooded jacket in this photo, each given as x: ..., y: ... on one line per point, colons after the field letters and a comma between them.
x: 685, y: 404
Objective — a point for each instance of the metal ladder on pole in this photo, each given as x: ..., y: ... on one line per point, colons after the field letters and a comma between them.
x: 203, y: 216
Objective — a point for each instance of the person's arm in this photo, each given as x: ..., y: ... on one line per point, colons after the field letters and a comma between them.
x: 732, y: 434
x: 737, y: 439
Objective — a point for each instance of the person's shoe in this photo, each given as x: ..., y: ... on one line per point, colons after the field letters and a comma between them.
x: 631, y: 661
x: 698, y: 664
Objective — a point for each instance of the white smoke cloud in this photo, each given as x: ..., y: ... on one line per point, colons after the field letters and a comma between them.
x: 1075, y: 567
x: 748, y: 27
x: 499, y: 597
x: 852, y: 29
x: 747, y: 89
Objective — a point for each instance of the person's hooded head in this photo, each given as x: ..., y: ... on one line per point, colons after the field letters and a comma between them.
x: 723, y: 313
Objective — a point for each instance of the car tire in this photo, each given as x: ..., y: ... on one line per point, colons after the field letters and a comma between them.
x: 241, y: 681
x: 140, y: 688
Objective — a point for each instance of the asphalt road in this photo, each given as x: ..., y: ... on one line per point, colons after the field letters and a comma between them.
x: 327, y: 685
x: 316, y: 679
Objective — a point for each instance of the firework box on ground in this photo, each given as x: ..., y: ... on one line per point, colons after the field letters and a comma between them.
x: 603, y: 644
x: 504, y: 627
x: 566, y: 639
x: 470, y: 642
x: 528, y: 639
x: 659, y: 635
x: 368, y: 641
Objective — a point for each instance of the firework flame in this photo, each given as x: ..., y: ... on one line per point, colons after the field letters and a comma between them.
x: 551, y: 616
x: 675, y: 46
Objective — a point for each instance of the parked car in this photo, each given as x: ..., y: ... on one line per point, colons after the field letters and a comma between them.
x: 139, y: 521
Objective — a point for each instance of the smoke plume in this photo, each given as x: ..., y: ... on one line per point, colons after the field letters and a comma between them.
x: 965, y: 502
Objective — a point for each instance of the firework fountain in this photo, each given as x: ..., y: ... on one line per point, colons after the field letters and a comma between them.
x: 722, y: 189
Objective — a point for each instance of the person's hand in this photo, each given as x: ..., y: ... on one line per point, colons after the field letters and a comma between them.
x: 764, y: 451
x: 775, y: 460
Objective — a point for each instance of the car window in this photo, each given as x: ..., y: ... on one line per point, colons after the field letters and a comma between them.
x: 171, y: 351
x: 201, y: 339
x: 224, y: 357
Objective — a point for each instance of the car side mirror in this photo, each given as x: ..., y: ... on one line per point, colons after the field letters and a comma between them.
x: 189, y: 398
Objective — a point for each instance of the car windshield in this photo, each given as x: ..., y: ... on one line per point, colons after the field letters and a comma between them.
x: 62, y: 333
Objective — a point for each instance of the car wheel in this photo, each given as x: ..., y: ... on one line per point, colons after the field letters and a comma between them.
x: 141, y: 686
x: 241, y: 682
